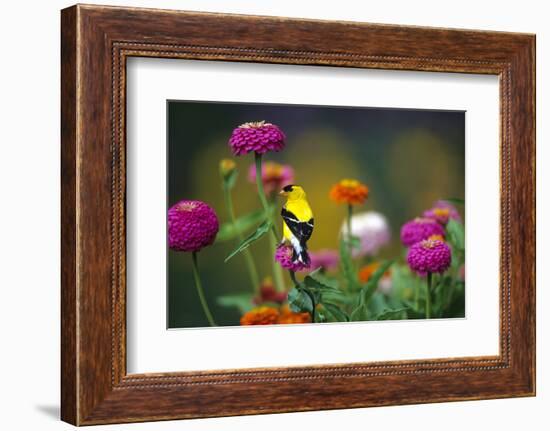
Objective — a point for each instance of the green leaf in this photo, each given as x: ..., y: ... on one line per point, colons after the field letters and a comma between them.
x: 377, y: 303
x: 337, y: 296
x: 361, y: 311
x: 299, y: 300
x: 334, y: 313
x: 323, y: 278
x: 403, y: 282
x: 320, y: 315
x: 370, y: 287
x: 443, y: 294
x: 454, y: 201
x: 229, y: 231
x: 414, y: 314
x: 261, y: 231
x: 311, y: 281
x: 455, y: 234
x: 242, y: 301
x: 457, y: 306
x: 391, y: 314
x: 443, y: 283
x: 348, y: 269
x: 359, y: 314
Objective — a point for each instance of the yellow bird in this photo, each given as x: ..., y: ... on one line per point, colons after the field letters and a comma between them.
x: 297, y: 222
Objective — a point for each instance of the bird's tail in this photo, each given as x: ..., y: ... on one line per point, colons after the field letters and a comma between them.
x: 300, y: 253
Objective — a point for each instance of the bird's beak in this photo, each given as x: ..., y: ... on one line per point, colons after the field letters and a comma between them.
x: 282, y: 193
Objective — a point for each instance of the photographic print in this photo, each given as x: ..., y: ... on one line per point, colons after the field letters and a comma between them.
x: 295, y: 214
x: 296, y: 204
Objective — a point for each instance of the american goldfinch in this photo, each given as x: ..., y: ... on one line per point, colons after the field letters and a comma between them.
x: 297, y: 222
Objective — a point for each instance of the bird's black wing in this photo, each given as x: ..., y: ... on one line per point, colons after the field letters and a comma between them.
x: 300, y: 229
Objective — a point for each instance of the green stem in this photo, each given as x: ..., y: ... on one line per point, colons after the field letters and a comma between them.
x: 293, y: 277
x: 449, y: 296
x: 277, y: 270
x: 200, y: 291
x: 312, y: 297
x: 350, y: 236
x: 252, y: 271
x: 278, y: 278
x: 429, y: 295
x: 417, y: 296
x: 261, y: 193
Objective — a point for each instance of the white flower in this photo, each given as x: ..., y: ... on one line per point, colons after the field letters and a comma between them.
x: 373, y: 231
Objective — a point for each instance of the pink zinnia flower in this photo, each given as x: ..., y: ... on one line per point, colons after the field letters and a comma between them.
x: 419, y: 229
x: 441, y: 212
x: 192, y: 225
x: 259, y: 137
x: 326, y: 259
x: 429, y: 256
x: 283, y: 255
x: 274, y: 176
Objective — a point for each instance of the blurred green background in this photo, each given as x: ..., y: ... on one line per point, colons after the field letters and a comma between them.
x: 408, y: 159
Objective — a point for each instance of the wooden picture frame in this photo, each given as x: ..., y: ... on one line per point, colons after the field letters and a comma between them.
x: 96, y: 41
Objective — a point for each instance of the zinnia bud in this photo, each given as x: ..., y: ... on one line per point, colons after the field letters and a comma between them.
x: 227, y: 167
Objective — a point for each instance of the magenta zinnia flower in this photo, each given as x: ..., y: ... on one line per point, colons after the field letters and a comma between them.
x: 419, y: 229
x: 429, y: 256
x: 274, y: 176
x: 260, y: 137
x: 441, y: 212
x: 192, y: 225
x: 326, y: 259
x: 283, y: 255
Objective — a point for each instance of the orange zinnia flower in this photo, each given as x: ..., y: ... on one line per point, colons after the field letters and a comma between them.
x: 289, y: 317
x: 350, y: 192
x: 260, y: 316
x: 367, y: 271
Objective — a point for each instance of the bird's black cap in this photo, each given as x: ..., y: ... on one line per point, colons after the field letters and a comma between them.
x: 288, y: 188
